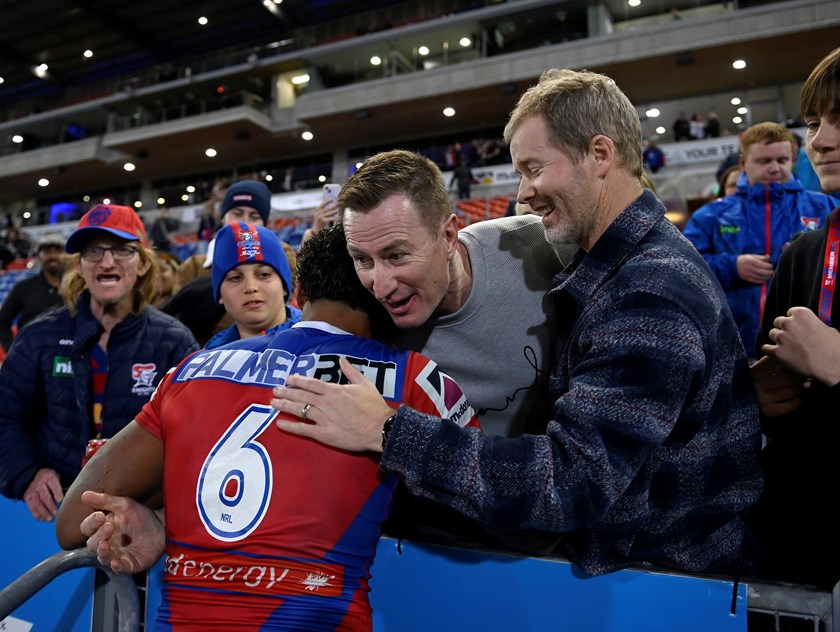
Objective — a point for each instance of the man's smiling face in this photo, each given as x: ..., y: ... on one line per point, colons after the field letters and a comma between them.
x: 400, y: 260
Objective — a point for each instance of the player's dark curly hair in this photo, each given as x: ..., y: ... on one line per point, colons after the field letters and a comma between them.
x: 325, y: 271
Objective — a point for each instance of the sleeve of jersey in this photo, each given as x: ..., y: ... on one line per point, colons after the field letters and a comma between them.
x: 150, y: 416
x: 429, y: 389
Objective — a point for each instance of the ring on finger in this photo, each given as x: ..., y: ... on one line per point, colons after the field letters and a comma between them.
x: 305, y: 410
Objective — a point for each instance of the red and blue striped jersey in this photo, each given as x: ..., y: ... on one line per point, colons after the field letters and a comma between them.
x: 266, y: 530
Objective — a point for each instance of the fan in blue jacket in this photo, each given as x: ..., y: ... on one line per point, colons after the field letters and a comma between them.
x: 742, y: 236
x: 83, y: 371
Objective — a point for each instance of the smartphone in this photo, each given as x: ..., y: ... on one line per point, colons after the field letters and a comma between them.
x: 331, y: 191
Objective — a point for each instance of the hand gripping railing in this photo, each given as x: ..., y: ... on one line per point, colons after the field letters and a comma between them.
x: 33, y: 580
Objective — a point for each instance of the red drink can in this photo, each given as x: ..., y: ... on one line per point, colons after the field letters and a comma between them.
x: 92, y: 448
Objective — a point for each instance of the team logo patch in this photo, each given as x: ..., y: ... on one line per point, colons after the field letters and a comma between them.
x: 62, y: 367
x: 810, y: 223
x: 248, y: 247
x: 144, y: 378
x: 447, y: 396
x: 99, y: 215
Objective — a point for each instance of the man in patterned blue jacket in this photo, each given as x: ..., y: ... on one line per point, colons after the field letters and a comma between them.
x: 652, y: 457
x: 742, y: 236
x: 83, y: 372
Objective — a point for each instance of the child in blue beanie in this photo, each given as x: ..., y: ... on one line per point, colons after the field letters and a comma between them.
x: 252, y: 279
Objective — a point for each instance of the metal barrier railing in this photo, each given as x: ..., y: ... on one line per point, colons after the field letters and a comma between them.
x: 24, y: 587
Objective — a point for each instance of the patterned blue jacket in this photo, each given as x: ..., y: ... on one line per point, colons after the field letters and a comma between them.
x: 653, y: 455
x: 45, y: 387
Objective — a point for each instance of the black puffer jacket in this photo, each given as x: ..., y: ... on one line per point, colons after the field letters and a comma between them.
x: 45, y: 387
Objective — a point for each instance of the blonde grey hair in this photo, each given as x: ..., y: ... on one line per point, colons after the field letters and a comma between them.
x: 577, y: 106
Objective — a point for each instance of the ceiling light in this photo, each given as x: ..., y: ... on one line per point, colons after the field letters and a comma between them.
x: 736, y: 119
x: 375, y: 60
x: 27, y: 215
x: 423, y: 50
x: 161, y: 201
x: 210, y: 152
x: 138, y: 204
x: 191, y: 189
x: 449, y: 111
x: 129, y: 166
x: 88, y: 53
x: 307, y: 135
x: 43, y: 182
x: 269, y: 177
x: 660, y: 130
x: 1, y: 80
x: 739, y: 64
x: 465, y: 41
x: 17, y: 138
x: 322, y: 178
x: 743, y: 110
x: 359, y: 165
x: 652, y: 113
x: 185, y: 198
x: 300, y: 79
x: 634, y: 3
x: 106, y: 200
x: 86, y: 198
x: 735, y: 101
x: 41, y: 71
x: 202, y: 20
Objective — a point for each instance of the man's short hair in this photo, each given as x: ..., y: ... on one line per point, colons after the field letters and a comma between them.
x: 398, y: 171
x: 577, y: 106
x: 821, y: 90
x: 766, y: 133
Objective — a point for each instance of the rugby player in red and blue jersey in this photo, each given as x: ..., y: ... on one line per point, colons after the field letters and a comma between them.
x: 264, y: 530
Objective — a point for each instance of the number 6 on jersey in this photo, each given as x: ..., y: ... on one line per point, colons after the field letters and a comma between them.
x: 235, y: 483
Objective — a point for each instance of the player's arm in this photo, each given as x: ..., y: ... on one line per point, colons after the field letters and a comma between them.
x: 129, y: 464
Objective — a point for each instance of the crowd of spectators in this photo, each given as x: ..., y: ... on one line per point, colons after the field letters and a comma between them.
x: 14, y: 244
x: 616, y: 476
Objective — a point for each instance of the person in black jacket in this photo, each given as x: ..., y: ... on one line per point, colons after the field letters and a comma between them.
x: 797, y: 379
x: 83, y: 371
x: 463, y: 175
x: 36, y: 294
x: 682, y: 128
x: 162, y: 229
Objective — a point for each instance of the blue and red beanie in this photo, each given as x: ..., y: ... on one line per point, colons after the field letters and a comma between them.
x: 238, y: 243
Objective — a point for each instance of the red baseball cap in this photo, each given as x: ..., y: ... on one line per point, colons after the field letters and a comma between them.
x: 120, y: 221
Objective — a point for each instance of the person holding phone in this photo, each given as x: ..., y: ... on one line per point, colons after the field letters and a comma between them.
x: 327, y: 212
